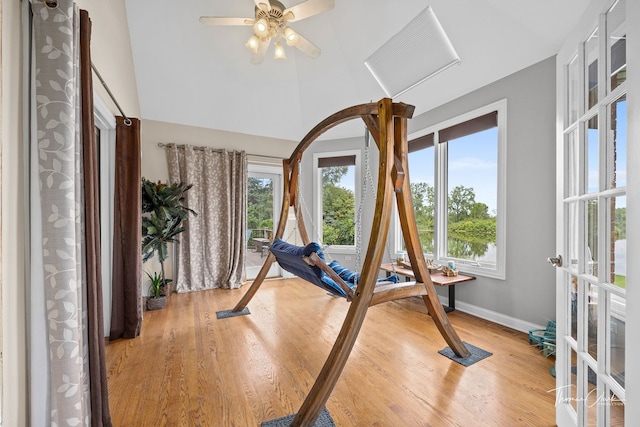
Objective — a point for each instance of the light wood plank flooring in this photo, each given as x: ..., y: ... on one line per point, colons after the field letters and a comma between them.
x: 189, y: 369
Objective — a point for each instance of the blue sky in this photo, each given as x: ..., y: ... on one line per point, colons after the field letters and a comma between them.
x: 621, y: 151
x: 473, y: 162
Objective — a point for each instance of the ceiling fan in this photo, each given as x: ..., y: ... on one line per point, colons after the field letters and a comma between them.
x: 271, y: 22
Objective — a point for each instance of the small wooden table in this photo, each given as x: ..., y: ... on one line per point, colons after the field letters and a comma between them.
x: 261, y: 244
x: 437, y: 278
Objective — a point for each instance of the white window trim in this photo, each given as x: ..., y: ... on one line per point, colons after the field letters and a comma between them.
x: 317, y: 202
x: 440, y: 184
x: 106, y: 122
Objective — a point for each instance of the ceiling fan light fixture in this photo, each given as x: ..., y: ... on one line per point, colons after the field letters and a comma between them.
x: 271, y: 24
x: 279, y: 51
x: 261, y: 28
x: 253, y: 43
x: 291, y: 37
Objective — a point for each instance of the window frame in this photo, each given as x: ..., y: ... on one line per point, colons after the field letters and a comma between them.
x: 105, y: 121
x: 317, y: 223
x: 441, y: 190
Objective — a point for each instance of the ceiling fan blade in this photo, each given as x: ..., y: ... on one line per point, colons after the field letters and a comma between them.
x: 308, y: 8
x: 263, y: 4
x: 221, y: 20
x: 307, y: 47
x: 258, y: 57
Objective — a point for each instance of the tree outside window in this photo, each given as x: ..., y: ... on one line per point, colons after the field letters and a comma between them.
x: 454, y: 172
x: 337, y: 172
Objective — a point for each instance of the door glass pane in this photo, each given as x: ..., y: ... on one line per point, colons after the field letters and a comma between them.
x: 572, y: 393
x: 572, y: 91
x: 616, y: 411
x: 592, y: 320
x: 591, y: 247
x: 591, y: 71
x: 572, y: 161
x: 592, y: 160
x: 617, y: 329
x: 573, y: 306
x: 473, y: 196
x: 618, y: 242
x: 617, y: 144
x: 572, y: 234
x: 617, y: 43
x: 592, y: 401
x: 259, y: 221
x: 421, y: 175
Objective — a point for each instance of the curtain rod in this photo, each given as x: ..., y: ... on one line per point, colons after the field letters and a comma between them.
x: 52, y: 4
x: 127, y: 120
x: 171, y: 144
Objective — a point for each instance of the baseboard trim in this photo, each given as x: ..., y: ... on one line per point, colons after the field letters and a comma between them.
x: 493, y: 316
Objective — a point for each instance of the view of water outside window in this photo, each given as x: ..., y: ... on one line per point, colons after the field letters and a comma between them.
x: 472, y: 175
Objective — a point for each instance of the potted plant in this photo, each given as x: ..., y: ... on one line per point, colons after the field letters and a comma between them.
x: 155, y: 299
x: 163, y: 216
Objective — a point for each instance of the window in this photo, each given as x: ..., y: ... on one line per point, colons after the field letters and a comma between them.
x: 457, y: 173
x: 336, y: 178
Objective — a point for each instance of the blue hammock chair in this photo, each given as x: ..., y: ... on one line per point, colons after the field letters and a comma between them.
x: 308, y: 263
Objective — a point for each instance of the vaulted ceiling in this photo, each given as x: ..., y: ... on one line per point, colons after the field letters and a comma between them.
x: 198, y: 75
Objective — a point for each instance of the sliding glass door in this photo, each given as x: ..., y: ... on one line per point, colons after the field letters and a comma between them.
x: 263, y: 208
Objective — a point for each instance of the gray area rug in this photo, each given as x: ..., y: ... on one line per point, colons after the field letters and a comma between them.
x: 324, y: 420
x: 477, y: 354
x: 229, y: 313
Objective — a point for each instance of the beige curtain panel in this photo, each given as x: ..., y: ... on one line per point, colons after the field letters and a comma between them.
x: 211, y: 252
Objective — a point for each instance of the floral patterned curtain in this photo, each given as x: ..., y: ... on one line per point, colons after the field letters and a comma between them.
x: 66, y: 331
x: 211, y: 252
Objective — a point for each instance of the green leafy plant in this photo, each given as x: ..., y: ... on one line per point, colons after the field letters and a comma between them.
x: 163, y: 216
x: 155, y: 284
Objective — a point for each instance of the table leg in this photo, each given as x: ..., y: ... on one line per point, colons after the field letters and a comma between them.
x: 452, y: 299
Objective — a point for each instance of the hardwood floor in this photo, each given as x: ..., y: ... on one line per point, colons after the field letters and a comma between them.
x: 189, y: 369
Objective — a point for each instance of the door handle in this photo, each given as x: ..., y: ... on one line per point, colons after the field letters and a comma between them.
x: 555, y: 261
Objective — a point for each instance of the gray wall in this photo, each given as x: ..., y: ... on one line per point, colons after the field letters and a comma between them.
x: 528, y: 293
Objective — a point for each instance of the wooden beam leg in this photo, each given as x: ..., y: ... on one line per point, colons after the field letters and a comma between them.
x: 256, y: 283
x: 414, y: 247
x: 337, y: 359
x: 334, y: 365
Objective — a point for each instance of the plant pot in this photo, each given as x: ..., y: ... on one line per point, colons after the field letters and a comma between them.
x: 156, y: 303
x: 163, y: 291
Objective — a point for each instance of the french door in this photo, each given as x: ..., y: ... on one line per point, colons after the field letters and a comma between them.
x: 263, y: 205
x: 592, y: 205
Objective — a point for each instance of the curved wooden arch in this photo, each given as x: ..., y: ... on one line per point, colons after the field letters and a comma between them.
x: 387, y: 122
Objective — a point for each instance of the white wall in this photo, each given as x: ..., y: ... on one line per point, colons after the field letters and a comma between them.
x: 528, y: 293
x: 111, y: 54
x: 154, y: 160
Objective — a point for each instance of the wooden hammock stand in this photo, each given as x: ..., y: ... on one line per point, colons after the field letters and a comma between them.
x: 387, y: 123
